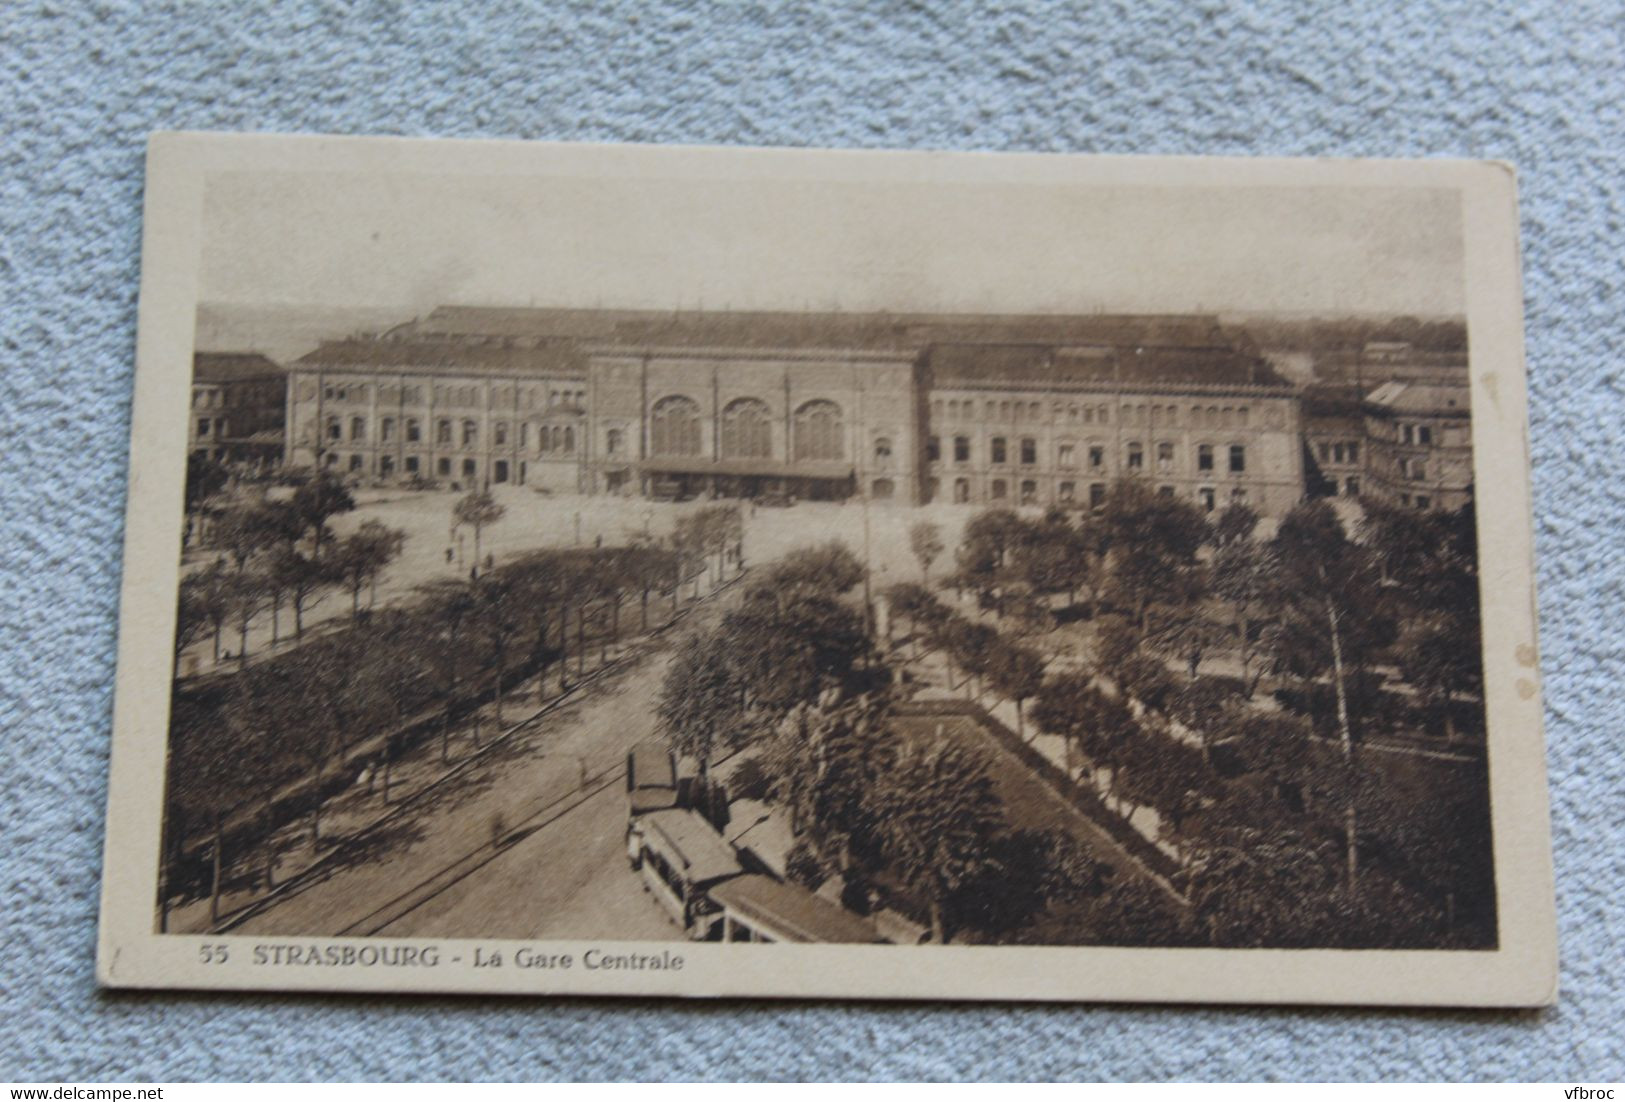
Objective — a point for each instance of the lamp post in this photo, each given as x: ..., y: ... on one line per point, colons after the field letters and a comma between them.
x: 868, y: 593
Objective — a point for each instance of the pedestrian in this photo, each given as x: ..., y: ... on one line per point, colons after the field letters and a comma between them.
x: 448, y: 556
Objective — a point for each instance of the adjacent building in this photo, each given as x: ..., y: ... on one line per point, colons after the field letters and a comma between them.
x: 239, y: 408
x: 1420, y: 444
x: 1055, y: 424
x: 1393, y: 423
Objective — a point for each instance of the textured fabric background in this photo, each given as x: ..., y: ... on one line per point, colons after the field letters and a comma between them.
x: 80, y: 86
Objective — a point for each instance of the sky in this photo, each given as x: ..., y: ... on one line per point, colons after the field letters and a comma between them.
x: 406, y: 242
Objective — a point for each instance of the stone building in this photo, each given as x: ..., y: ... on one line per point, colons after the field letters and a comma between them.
x: 1420, y: 444
x: 1056, y: 424
x: 238, y: 408
x: 1037, y: 410
x: 463, y: 411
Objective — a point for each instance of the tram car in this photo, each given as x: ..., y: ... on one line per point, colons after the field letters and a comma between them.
x: 697, y: 876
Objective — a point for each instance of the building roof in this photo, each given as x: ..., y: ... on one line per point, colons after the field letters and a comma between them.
x: 690, y: 843
x: 963, y: 349
x: 874, y: 329
x: 234, y: 367
x: 1332, y: 409
x: 1421, y: 398
x: 790, y: 912
x: 651, y: 766
x: 1037, y: 364
x: 559, y: 359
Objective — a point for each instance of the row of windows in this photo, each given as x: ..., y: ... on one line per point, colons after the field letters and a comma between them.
x: 818, y: 427
x: 1066, y: 455
x: 1026, y: 492
x: 1415, y: 434
x: 549, y: 438
x: 500, y: 470
x: 465, y: 397
x: 1339, y: 451
x: 1150, y: 415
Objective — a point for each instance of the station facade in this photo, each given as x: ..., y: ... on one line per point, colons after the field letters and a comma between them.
x: 1040, y: 410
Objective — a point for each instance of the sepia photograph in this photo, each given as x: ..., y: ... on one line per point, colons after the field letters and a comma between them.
x: 571, y: 569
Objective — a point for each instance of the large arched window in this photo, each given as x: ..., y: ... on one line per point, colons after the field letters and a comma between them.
x: 674, y: 427
x: 747, y: 429
x: 819, y: 431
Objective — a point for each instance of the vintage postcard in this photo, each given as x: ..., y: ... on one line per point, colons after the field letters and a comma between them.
x: 674, y: 571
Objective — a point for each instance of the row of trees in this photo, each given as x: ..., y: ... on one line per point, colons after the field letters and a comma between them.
x: 1320, y: 609
x: 280, y: 555
x: 712, y: 534
x: 986, y: 659
x: 251, y: 751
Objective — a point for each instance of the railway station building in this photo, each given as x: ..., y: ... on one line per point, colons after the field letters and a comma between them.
x: 1020, y: 410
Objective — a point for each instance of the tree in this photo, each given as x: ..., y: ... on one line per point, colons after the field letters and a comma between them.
x: 305, y: 580
x: 362, y: 557
x: 1017, y: 674
x: 702, y: 707
x: 972, y: 645
x: 918, y: 604
x: 719, y: 529
x: 791, y: 644
x: 1052, y: 556
x: 822, y: 761
x: 937, y: 816
x: 1235, y: 524
x: 1326, y: 586
x: 247, y: 599
x: 316, y: 502
x: 260, y: 706
x: 1241, y: 577
x: 1071, y: 706
x: 1204, y: 706
x: 1129, y: 912
x: 1252, y: 887
x: 478, y: 510
x: 1181, y: 625
x: 244, y: 531
x: 203, y: 782
x: 1116, y: 641
x: 1434, y: 661
x: 205, y: 477
x: 500, y: 616
x: 1431, y: 564
x: 829, y: 567
x: 1147, y: 680
x: 193, y: 615
x: 1152, y: 540
x: 208, y: 594
x: 925, y: 540
x: 1156, y: 770
x: 984, y: 551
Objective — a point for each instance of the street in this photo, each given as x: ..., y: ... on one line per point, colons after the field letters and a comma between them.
x: 561, y: 870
